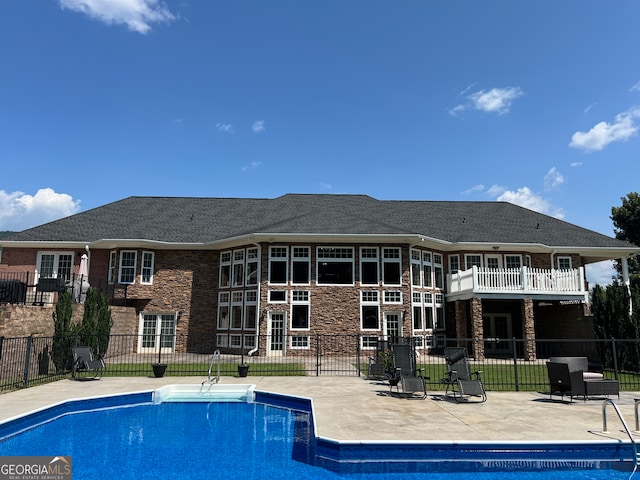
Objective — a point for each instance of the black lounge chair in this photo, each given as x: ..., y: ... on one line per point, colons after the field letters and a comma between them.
x: 405, y: 374
x: 462, y: 383
x: 85, y: 365
x: 379, y: 364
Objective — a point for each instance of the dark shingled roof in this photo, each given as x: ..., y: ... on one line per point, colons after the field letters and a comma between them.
x: 204, y: 220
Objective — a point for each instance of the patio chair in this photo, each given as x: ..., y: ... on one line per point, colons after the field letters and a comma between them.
x: 405, y: 374
x: 378, y: 364
x: 85, y: 365
x: 462, y: 383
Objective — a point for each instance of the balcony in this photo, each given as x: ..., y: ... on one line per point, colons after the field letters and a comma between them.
x: 539, y: 283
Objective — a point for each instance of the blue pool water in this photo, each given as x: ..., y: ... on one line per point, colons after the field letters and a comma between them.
x: 228, y: 441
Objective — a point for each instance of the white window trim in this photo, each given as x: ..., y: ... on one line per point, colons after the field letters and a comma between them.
x: 375, y: 260
x: 384, y: 297
x: 336, y: 260
x: 113, y: 256
x: 56, y: 261
x: 566, y: 258
x: 295, y: 259
x: 370, y: 303
x: 135, y: 267
x: 286, y: 296
x: 292, y: 347
x: 151, y: 268
x: 284, y: 259
x: 306, y: 302
x: 391, y: 260
x: 225, y: 263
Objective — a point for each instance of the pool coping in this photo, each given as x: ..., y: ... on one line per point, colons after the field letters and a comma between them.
x: 357, y: 456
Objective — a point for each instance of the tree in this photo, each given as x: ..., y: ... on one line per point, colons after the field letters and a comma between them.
x: 61, y: 352
x: 93, y: 330
x: 626, y: 222
x: 95, y: 327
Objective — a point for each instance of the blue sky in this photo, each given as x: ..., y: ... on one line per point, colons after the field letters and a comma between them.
x: 532, y: 102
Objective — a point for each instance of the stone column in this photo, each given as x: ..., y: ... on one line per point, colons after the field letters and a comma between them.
x: 461, y: 319
x: 528, y: 329
x: 477, y: 331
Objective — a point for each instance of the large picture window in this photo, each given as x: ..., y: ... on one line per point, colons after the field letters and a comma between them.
x: 335, y: 266
x: 300, y: 265
x: 369, y: 266
x: 391, y: 266
x: 278, y: 265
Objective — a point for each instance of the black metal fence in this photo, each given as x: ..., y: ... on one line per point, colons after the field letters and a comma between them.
x: 20, y: 288
x: 507, y: 365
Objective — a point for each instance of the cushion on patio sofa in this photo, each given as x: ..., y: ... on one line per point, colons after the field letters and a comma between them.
x: 576, y: 364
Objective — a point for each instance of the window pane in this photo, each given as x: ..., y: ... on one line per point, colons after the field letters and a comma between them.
x: 300, y: 273
x: 370, y: 317
x: 340, y: 273
x: 417, y: 318
x: 300, y: 316
x: 391, y: 273
x: 369, y: 273
x: 225, y: 274
x: 223, y: 318
x: 250, y: 320
x: 278, y: 272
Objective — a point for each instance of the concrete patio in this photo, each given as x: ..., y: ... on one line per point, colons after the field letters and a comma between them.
x: 353, y: 408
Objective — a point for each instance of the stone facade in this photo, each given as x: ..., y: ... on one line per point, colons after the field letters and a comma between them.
x: 186, y: 284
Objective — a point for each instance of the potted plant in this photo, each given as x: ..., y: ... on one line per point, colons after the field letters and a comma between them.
x: 159, y: 368
x: 243, y: 368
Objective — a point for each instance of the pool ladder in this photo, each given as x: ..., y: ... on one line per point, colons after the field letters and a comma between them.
x: 608, y: 401
x: 214, y: 359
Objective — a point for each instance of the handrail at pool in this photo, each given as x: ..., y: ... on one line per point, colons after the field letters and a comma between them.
x: 608, y: 401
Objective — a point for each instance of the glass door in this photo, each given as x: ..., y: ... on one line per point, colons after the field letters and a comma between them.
x: 392, y: 325
x: 276, y: 333
x: 157, y: 330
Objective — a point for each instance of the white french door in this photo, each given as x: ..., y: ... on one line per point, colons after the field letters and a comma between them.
x: 392, y: 325
x: 276, y: 333
x: 157, y: 330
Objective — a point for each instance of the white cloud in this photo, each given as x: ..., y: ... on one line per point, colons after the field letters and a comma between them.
x: 252, y: 166
x: 258, y: 126
x: 600, y: 273
x: 635, y: 88
x: 475, y: 188
x: 496, y: 100
x: 553, y: 179
x: 137, y: 15
x: 524, y: 197
x: 604, y: 133
x: 19, y: 211
x: 575, y: 164
x: 225, y: 127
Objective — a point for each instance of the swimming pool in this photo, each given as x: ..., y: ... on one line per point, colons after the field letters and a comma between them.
x: 270, y: 436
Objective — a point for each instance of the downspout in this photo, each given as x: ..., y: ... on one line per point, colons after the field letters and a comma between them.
x: 258, y: 316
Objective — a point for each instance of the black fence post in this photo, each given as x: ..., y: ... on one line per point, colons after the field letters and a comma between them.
x: 318, y: 356
x: 27, y: 361
x: 358, y: 352
x: 515, y: 364
x: 615, y: 358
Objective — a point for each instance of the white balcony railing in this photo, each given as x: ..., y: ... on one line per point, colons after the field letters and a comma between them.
x: 523, y: 280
